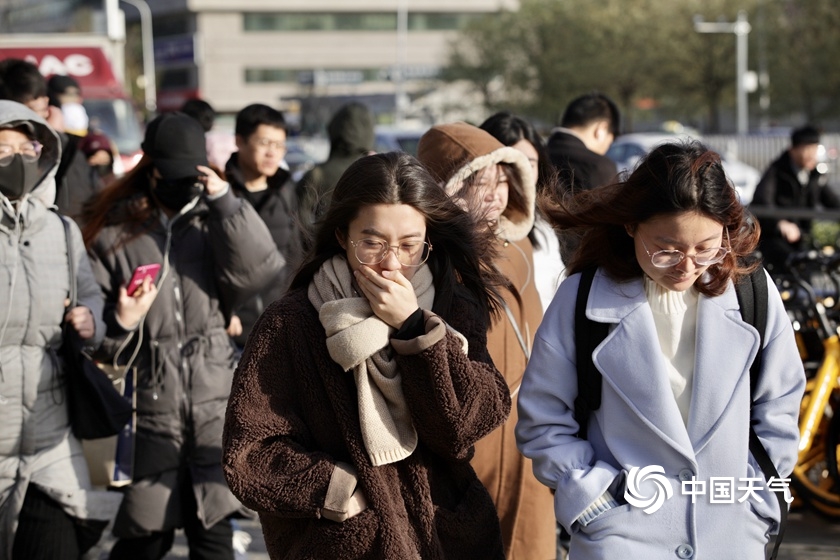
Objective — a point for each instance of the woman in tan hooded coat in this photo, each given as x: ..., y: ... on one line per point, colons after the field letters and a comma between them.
x: 498, y: 182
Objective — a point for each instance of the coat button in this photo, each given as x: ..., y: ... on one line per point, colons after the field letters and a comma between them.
x: 686, y: 475
x: 685, y: 551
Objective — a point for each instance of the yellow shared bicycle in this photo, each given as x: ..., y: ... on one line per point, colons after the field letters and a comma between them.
x: 811, y: 291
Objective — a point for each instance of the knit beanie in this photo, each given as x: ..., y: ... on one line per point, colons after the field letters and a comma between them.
x: 453, y: 152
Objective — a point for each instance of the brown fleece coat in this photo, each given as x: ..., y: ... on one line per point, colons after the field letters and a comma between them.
x: 525, y: 506
x: 293, y: 417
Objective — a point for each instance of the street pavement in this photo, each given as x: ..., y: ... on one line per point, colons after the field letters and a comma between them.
x: 808, y: 537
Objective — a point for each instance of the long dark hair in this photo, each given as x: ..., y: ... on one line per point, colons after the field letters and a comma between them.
x: 673, y: 178
x: 126, y: 201
x: 398, y: 178
x: 509, y: 129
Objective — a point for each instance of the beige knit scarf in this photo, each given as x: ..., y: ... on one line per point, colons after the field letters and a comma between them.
x: 359, y: 340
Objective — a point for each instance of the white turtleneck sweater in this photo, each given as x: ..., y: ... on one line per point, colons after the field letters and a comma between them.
x: 675, y: 316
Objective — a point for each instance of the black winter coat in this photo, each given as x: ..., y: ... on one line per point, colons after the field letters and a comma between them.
x: 579, y: 168
x: 277, y: 206
x: 214, y: 257
x: 780, y: 188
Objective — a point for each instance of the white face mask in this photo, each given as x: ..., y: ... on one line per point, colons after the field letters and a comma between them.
x: 75, y: 118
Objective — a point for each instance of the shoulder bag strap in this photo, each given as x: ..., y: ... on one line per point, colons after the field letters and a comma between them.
x: 752, y: 297
x: 588, y: 335
x: 71, y: 263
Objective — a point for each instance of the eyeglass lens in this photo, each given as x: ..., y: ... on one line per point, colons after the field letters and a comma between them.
x: 373, y: 251
x: 29, y: 151
x: 664, y: 259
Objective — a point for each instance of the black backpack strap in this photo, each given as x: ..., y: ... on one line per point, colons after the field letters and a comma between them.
x: 588, y: 335
x: 752, y: 297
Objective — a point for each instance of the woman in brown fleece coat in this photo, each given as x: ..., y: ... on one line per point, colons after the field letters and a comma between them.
x: 360, y: 394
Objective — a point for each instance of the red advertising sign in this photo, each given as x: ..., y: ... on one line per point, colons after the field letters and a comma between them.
x: 88, y: 65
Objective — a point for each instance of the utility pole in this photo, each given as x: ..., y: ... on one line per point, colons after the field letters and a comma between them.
x: 115, y: 29
x: 149, y: 82
x: 741, y: 28
x: 399, y: 72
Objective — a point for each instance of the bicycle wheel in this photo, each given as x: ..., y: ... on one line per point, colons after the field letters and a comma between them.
x: 815, y: 477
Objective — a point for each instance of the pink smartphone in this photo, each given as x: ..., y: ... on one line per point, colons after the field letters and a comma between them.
x: 140, y: 274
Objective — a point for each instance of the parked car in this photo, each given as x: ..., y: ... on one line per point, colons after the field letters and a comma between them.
x: 628, y: 149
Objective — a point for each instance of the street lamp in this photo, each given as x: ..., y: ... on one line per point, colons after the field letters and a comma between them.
x: 741, y: 28
x: 149, y: 83
x: 399, y: 69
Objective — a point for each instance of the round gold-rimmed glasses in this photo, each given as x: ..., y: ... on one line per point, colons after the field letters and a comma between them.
x: 672, y: 257
x: 371, y: 251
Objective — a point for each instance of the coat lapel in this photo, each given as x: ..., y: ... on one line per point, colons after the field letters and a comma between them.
x: 631, y: 361
x: 722, y: 362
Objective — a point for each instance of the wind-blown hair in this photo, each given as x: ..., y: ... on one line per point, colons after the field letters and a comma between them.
x: 127, y: 201
x: 509, y: 129
x: 673, y: 178
x: 457, y: 244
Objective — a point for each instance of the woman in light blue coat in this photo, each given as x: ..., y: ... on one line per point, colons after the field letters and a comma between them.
x: 668, y: 243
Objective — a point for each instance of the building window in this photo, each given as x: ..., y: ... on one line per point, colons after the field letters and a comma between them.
x: 321, y: 76
x: 353, y: 21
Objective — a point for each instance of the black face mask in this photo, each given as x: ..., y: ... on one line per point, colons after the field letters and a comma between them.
x: 102, y: 170
x: 177, y: 194
x: 18, y: 178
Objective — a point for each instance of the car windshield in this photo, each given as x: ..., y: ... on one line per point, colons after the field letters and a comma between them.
x: 117, y: 119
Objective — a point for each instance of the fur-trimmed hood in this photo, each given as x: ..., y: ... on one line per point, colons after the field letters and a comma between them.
x: 452, y: 152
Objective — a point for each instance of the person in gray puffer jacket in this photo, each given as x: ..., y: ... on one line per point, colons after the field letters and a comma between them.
x: 47, y: 506
x: 215, y: 253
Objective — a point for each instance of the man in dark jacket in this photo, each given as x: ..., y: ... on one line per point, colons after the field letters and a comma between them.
x: 792, y: 181
x: 254, y: 174
x: 351, y: 132
x: 576, y: 149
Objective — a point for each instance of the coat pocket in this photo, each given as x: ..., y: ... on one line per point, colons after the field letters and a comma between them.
x: 353, y: 539
x: 471, y: 529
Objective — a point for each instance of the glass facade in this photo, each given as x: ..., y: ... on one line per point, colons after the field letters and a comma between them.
x: 314, y: 77
x: 354, y: 21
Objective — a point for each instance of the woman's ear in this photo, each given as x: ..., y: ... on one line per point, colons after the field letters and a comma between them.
x: 631, y: 230
x: 339, y: 235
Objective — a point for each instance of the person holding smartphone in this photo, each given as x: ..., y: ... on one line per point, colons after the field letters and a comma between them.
x: 215, y: 252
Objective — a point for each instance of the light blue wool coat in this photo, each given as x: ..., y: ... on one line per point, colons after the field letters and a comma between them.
x: 639, y: 424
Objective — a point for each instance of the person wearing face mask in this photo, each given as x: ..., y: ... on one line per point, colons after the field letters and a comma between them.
x: 47, y: 506
x: 100, y: 153
x: 21, y: 81
x: 497, y: 185
x: 215, y: 251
